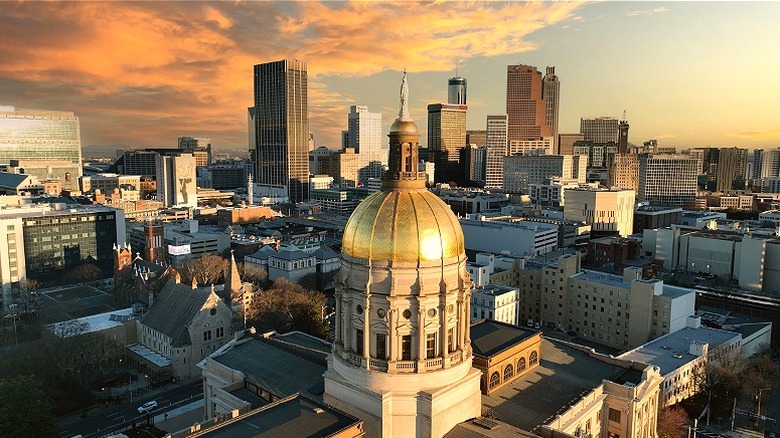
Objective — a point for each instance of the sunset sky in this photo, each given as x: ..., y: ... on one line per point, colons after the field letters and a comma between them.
x: 144, y: 73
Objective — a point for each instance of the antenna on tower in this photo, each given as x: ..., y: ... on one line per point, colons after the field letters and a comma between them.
x: 624, y: 115
x: 457, y: 63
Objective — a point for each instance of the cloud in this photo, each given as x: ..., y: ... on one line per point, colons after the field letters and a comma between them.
x: 147, y: 72
x: 773, y: 134
x: 658, y: 10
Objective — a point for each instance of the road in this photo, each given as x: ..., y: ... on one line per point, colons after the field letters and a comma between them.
x: 102, y: 420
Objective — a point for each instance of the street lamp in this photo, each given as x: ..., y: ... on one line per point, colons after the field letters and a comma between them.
x: 13, y: 316
x: 758, y: 408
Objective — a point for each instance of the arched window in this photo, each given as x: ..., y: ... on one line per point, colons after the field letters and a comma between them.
x: 533, y: 358
x: 521, y: 364
x: 509, y: 371
x: 495, y: 379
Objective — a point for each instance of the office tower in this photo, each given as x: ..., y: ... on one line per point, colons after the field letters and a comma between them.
x: 402, y: 359
x: 566, y: 143
x: 456, y: 91
x: 12, y: 266
x: 551, y: 88
x: 477, y: 137
x: 600, y: 155
x: 731, y: 169
x: 542, y: 146
x: 766, y: 163
x: 176, y: 180
x: 624, y: 172
x: 472, y: 158
x: 623, y: 137
x: 365, y: 137
x: 667, y: 180
x: 446, y: 137
x: 57, y: 238
x: 496, y: 142
x: 525, y: 106
x: 281, y: 127
x: 608, y: 212
x: 316, y: 158
x: 200, y: 148
x: 600, y: 129
x: 52, y: 139
x: 520, y: 171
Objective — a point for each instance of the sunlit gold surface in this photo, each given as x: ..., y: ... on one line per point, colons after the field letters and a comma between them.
x: 403, y: 226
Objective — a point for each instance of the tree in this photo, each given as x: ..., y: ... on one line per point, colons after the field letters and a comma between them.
x: 719, y: 380
x: 672, y: 422
x: 82, y: 273
x: 251, y: 273
x: 287, y: 306
x: 25, y: 409
x: 206, y: 269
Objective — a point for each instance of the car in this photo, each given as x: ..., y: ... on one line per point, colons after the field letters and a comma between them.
x: 147, y: 407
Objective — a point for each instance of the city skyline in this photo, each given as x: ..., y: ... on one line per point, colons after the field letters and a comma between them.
x: 144, y: 74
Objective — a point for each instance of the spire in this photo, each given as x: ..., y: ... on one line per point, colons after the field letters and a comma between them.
x: 194, y: 283
x: 403, y: 161
x: 233, y: 280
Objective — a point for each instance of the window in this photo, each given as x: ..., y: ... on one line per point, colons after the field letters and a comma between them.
x: 406, y: 347
x: 451, y: 340
x: 220, y: 332
x: 495, y: 379
x: 533, y: 359
x: 614, y: 415
x: 509, y: 371
x: 521, y: 364
x: 359, y: 341
x: 207, y: 335
x: 430, y: 345
x: 381, y: 346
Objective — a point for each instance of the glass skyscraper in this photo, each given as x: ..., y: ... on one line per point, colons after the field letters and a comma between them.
x: 49, y: 141
x: 280, y: 120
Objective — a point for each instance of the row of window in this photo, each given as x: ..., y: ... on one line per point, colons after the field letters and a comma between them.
x: 509, y: 370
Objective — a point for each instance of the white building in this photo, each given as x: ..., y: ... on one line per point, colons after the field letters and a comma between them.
x: 667, y: 180
x: 496, y: 143
x: 599, y: 129
x: 520, y: 171
x: 12, y: 266
x: 607, y: 211
x: 519, y: 237
x: 552, y: 192
x: 365, y: 135
x: 177, y: 180
x: 495, y: 302
x: 543, y: 146
x: 107, y: 182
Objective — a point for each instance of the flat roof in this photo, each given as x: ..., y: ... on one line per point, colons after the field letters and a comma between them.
x: 93, y: 323
x: 670, y: 351
x: 676, y: 291
x: 489, y: 338
x: 494, y: 289
x: 564, y: 375
x: 291, y: 417
x: 150, y: 355
x: 602, y: 278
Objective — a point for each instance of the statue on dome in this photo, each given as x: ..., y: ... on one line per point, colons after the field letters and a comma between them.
x: 403, y: 114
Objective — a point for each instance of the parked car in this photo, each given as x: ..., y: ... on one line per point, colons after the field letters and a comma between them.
x: 147, y: 407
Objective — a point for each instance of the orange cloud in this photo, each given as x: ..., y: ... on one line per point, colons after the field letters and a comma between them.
x: 145, y: 73
x: 759, y: 135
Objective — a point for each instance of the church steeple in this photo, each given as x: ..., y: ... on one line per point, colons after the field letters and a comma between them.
x: 233, y: 279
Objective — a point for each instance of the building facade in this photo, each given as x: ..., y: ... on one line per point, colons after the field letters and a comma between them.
x: 551, y: 91
x: 177, y: 180
x: 600, y: 129
x: 365, y: 137
x: 609, y: 212
x: 279, y: 121
x: 521, y: 171
x: 667, y: 180
x: 525, y: 105
x: 496, y: 142
x: 446, y: 137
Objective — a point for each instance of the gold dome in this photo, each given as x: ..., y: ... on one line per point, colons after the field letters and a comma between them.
x: 404, y: 127
x: 403, y: 226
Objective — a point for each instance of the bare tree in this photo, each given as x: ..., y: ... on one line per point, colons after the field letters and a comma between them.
x: 82, y: 273
x: 251, y: 273
x: 287, y: 306
x: 672, y: 422
x: 206, y: 269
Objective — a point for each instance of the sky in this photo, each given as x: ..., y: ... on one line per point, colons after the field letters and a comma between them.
x: 145, y: 73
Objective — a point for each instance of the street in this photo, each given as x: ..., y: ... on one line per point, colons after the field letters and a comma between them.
x: 102, y: 420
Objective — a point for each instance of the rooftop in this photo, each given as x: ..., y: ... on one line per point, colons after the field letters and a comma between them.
x: 671, y: 351
x: 92, y: 323
x: 657, y: 209
x: 564, y: 375
x: 495, y: 289
x: 489, y: 338
x: 601, y: 278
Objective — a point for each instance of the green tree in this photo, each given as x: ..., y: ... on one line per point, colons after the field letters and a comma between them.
x: 25, y: 409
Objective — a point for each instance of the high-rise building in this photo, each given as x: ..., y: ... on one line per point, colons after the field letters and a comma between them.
x: 200, y: 148
x: 176, y: 180
x: 446, y: 137
x: 401, y: 358
x: 731, y: 169
x: 365, y: 137
x: 600, y: 129
x: 624, y: 172
x: 473, y: 160
x: 456, y: 91
x: 280, y: 121
x: 520, y: 171
x: 766, y: 163
x: 525, y: 106
x: 551, y: 88
x: 667, y: 180
x: 476, y: 137
x: 566, y: 143
x: 33, y: 136
x: 496, y: 142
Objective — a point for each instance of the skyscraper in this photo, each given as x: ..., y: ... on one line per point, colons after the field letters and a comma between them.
x: 46, y: 139
x: 280, y: 120
x: 525, y: 106
x: 732, y: 163
x: 496, y: 142
x: 456, y: 91
x: 667, y: 180
x: 446, y: 137
x: 364, y: 134
x: 551, y: 88
x: 600, y: 129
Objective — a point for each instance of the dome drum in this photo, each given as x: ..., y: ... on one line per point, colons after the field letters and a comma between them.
x: 393, y: 281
